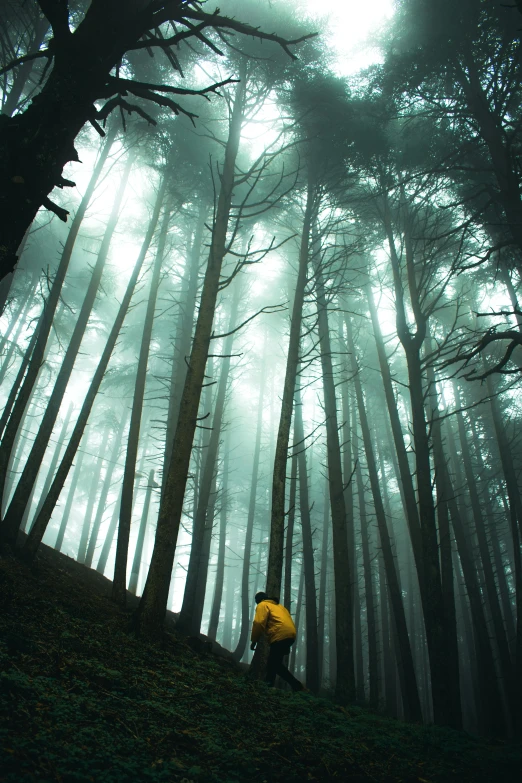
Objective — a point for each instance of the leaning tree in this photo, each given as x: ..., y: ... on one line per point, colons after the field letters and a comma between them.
x: 87, y: 60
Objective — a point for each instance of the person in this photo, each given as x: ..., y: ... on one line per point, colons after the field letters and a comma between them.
x: 275, y: 622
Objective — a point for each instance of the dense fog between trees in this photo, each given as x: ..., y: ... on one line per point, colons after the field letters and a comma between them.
x: 265, y: 334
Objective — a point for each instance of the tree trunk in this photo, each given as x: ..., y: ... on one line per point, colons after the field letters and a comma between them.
x: 11, y: 521
x: 506, y: 664
x: 312, y: 645
x: 345, y: 681
x: 220, y: 566
x: 109, y: 538
x: 444, y: 491
x: 289, y: 543
x: 321, y: 615
x: 56, y: 455
x: 138, y: 552
x: 298, y: 609
x: 515, y: 516
x: 68, y: 504
x: 115, y: 452
x: 371, y: 626
x: 35, y: 536
x: 504, y: 166
x: 91, y: 498
x: 430, y: 577
x: 36, y: 144
x: 18, y: 319
x: 492, y: 713
x: 192, y: 608
x: 151, y: 612
x: 246, y: 598
x: 119, y: 584
x: 404, y: 476
x: 277, y: 521
x: 183, y: 337
x: 41, y: 26
x: 36, y: 350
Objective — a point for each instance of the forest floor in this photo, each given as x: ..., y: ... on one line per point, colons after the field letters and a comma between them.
x: 82, y: 700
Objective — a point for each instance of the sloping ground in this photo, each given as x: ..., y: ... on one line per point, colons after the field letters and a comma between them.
x: 81, y: 700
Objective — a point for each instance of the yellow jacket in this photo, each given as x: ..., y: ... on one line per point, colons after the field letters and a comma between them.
x: 274, y: 620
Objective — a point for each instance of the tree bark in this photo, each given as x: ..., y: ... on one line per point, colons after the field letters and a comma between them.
x: 36, y: 144
x: 68, y: 504
x: 91, y: 498
x: 40, y: 524
x: 444, y: 492
x: 113, y: 458
x: 56, y: 455
x: 345, y: 681
x: 506, y: 664
x: 192, y: 607
x: 109, y: 538
x: 183, y: 337
x: 321, y: 614
x: 220, y: 566
x: 36, y: 350
x: 312, y: 644
x: 11, y: 521
x: 246, y: 598
x: 41, y: 26
x: 119, y: 583
x: 277, y: 521
x: 151, y: 612
x: 430, y: 577
x: 138, y: 552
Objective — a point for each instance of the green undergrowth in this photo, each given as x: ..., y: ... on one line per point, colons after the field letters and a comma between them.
x: 82, y: 700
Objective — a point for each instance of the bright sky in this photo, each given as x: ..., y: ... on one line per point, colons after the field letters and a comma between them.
x: 350, y: 23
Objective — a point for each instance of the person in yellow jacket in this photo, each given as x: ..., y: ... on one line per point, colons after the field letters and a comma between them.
x: 274, y: 620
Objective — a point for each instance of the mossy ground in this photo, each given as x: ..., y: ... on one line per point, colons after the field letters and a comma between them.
x: 82, y: 700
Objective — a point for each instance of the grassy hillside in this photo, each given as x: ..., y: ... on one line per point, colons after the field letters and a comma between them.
x: 81, y: 700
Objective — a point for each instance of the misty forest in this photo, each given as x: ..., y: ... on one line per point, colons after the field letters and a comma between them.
x: 260, y: 331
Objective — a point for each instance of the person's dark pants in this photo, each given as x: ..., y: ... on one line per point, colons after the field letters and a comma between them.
x: 275, y: 665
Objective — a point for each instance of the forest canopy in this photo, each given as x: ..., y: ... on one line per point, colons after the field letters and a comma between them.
x: 260, y: 329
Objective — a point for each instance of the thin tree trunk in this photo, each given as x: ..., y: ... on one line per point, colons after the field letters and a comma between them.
x: 492, y: 713
x: 192, y: 607
x: 298, y: 610
x: 38, y: 347
x: 18, y: 320
x: 508, y: 673
x: 246, y: 599
x: 91, y: 498
x: 151, y: 612
x: 109, y: 538
x: 115, y: 452
x: 11, y: 399
x: 371, y: 626
x: 138, y: 552
x: 220, y: 566
x: 56, y: 455
x: 345, y: 681
x: 444, y: 491
x: 183, y: 337
x: 277, y: 522
x: 22, y: 73
x: 312, y: 645
x: 515, y: 517
x: 35, y: 536
x: 289, y: 543
x: 68, y: 504
x: 321, y: 614
x: 430, y: 576
x: 11, y: 521
x: 119, y: 584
